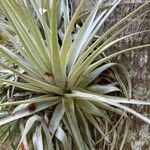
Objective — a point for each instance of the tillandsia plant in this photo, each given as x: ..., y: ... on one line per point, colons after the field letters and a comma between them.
x: 58, y: 88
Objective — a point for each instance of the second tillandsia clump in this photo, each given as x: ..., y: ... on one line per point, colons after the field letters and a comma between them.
x: 58, y: 89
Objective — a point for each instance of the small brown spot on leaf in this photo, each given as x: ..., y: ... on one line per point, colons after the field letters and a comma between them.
x: 49, y: 74
x: 32, y: 107
x: 22, y: 147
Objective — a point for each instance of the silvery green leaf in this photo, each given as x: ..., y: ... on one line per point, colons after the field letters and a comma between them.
x: 28, y: 126
x: 24, y: 142
x: 19, y: 108
x: 70, y: 113
x: 82, y: 37
x: 56, y: 118
x: 94, y: 97
x: 96, y: 125
x: 60, y: 134
x: 103, y: 89
x: 48, y: 136
x: 37, y: 138
x: 95, y: 73
x: 92, y: 109
x: 85, y: 130
x: 26, y: 112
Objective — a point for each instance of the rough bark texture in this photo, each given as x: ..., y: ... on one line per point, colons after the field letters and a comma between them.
x: 138, y: 65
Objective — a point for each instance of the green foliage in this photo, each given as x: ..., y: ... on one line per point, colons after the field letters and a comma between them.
x: 56, y: 83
